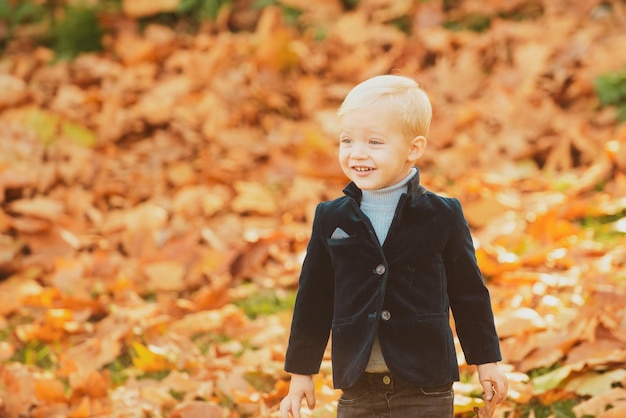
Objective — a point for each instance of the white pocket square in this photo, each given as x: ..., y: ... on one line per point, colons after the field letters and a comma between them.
x: 339, y: 233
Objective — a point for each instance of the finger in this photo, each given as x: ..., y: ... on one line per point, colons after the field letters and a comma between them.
x: 295, y: 408
x: 502, y: 393
x: 284, y: 408
x: 488, y: 388
x: 310, y: 400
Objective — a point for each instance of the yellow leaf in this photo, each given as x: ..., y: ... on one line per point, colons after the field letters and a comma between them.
x: 148, y: 360
x: 49, y: 126
x: 45, y: 124
x: 78, y: 134
x: 464, y: 404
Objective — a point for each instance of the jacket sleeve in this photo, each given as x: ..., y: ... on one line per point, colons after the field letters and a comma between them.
x: 313, y: 311
x: 469, y: 297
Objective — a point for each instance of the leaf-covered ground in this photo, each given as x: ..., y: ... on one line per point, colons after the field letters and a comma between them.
x: 156, y: 199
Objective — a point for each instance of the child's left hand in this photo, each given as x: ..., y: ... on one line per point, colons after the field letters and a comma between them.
x: 493, y: 381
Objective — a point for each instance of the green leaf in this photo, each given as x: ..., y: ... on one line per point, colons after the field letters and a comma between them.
x: 186, y: 6
x: 611, y: 88
x: 550, y: 380
x: 78, y: 134
x: 49, y: 126
x: 259, y: 4
x: 5, y: 9
x: 27, y: 11
x: 211, y: 8
x: 563, y: 409
x: 45, y: 125
x: 78, y: 32
x: 36, y: 353
x: 621, y: 113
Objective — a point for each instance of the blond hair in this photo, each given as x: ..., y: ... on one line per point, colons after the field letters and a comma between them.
x: 397, y: 92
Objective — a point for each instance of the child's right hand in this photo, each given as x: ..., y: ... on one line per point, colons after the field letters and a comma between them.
x: 301, y: 386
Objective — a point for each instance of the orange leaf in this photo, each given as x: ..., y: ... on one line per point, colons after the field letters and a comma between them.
x: 49, y: 390
x: 82, y: 410
x: 57, y: 318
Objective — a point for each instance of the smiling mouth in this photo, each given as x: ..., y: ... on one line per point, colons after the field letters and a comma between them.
x: 362, y: 169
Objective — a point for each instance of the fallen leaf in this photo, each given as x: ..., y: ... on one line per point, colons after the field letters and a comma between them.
x: 143, y: 8
x: 49, y: 390
x: 197, y: 409
x: 253, y: 197
x: 487, y: 410
x: 148, y: 360
x: 164, y: 276
x: 15, y: 91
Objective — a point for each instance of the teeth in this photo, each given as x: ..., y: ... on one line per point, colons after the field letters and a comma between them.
x: 362, y: 168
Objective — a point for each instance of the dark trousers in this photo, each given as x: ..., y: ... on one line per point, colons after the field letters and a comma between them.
x: 380, y: 395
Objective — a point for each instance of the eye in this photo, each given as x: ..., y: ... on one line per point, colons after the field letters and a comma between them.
x: 375, y: 141
x: 345, y: 140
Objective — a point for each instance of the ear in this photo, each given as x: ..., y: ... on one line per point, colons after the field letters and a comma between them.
x: 418, y: 145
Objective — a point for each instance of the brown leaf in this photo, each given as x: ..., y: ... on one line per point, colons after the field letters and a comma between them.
x: 14, y: 91
x: 18, y: 381
x: 14, y: 290
x: 489, y: 408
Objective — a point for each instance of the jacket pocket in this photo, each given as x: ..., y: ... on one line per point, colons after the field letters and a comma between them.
x: 342, y: 321
x: 332, y: 242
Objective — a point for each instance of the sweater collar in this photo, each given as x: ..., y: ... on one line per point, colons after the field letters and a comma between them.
x: 414, y: 188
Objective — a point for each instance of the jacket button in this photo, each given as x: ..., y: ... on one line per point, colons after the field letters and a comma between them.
x: 380, y: 269
x: 385, y: 315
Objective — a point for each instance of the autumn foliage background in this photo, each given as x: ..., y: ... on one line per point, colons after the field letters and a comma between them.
x: 156, y: 195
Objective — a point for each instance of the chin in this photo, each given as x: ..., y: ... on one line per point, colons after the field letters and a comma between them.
x: 365, y: 186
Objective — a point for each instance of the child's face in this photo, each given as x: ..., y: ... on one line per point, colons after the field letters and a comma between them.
x: 373, y: 152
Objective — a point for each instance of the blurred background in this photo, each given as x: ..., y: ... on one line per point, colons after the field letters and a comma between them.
x: 160, y: 162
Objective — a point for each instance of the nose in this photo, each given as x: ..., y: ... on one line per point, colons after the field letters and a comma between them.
x: 358, y: 152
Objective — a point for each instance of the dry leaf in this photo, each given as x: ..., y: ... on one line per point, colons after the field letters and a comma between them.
x: 253, y: 197
x: 148, y: 359
x: 143, y: 8
x: 14, y: 91
x: 164, y: 276
x: 197, y: 409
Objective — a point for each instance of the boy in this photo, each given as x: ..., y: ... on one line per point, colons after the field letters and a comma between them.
x: 384, y: 265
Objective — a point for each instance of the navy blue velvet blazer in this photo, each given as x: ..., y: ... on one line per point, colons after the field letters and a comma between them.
x: 402, y: 290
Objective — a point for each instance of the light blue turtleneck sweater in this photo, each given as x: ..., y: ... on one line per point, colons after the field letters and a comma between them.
x: 380, y: 205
